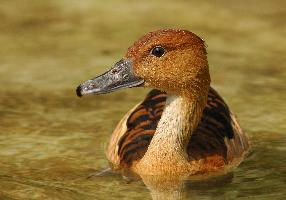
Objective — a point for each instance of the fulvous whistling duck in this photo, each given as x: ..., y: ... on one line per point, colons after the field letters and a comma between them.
x: 183, y: 127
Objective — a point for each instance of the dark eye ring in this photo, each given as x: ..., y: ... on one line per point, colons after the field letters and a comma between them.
x: 158, y: 51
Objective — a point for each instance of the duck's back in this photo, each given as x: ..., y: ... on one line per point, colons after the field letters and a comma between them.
x: 218, y: 137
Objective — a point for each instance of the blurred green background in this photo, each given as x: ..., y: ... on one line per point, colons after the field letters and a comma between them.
x: 50, y: 140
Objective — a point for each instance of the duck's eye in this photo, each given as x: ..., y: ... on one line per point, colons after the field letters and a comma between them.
x: 158, y: 51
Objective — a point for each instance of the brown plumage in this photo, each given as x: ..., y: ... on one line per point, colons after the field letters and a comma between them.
x: 218, y: 137
x: 186, y: 130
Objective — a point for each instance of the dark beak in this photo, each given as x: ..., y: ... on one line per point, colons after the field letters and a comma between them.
x: 121, y: 75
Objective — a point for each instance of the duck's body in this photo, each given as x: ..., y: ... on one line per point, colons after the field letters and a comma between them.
x: 216, y: 143
x: 186, y: 130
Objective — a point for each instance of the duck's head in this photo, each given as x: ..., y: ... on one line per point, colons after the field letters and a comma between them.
x: 171, y: 60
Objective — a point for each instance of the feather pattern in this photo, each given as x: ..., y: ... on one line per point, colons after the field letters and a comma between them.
x: 217, y: 135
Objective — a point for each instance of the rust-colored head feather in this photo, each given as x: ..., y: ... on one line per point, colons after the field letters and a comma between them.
x: 183, y: 67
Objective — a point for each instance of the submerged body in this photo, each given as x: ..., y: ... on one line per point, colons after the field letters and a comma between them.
x: 186, y: 130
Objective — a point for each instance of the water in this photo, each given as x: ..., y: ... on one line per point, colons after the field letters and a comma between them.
x: 50, y: 140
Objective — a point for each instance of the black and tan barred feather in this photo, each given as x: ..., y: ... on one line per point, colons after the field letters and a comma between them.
x: 218, y: 132
x: 141, y: 126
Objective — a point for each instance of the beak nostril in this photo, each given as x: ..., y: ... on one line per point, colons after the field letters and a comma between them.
x: 91, y: 86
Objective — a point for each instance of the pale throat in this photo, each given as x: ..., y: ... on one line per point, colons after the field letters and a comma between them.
x: 179, y: 119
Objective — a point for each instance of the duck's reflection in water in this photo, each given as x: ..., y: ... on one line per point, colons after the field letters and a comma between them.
x: 174, y: 188
x: 171, y: 187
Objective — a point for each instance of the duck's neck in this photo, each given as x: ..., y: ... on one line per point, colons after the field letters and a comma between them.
x: 169, y: 143
x: 179, y: 118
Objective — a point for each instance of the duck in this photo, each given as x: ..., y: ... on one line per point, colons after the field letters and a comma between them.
x: 183, y: 127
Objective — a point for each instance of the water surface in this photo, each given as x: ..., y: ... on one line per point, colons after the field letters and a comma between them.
x: 50, y: 140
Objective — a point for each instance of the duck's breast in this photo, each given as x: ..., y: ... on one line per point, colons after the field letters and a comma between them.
x: 218, y: 137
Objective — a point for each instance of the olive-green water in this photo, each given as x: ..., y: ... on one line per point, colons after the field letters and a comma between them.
x: 51, y: 140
